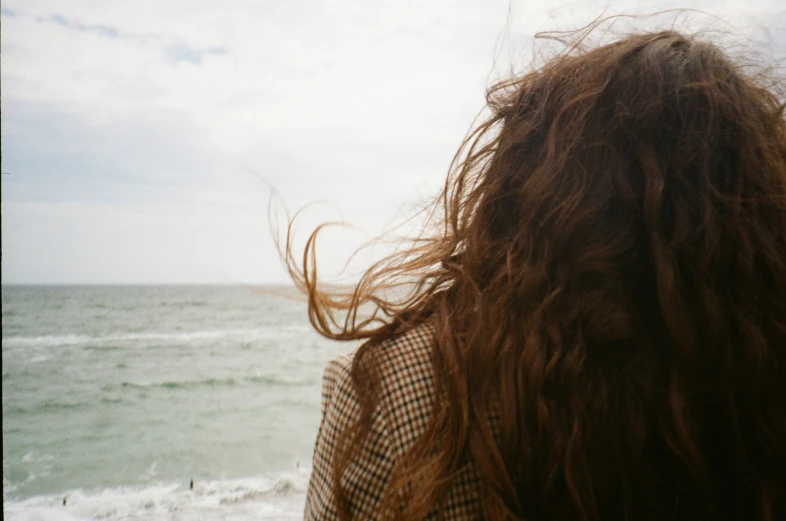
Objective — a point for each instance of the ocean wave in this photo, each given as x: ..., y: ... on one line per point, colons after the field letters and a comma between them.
x: 45, y: 405
x: 45, y: 340
x: 103, y: 347
x: 113, y: 400
x: 32, y: 457
x: 184, y: 384
x: 16, y: 375
x: 277, y: 380
x: 265, y: 498
x: 183, y: 303
x: 268, y: 380
x: 92, y: 341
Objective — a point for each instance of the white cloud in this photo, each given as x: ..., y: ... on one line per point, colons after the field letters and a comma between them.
x: 148, y: 113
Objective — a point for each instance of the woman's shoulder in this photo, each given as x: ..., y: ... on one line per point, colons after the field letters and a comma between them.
x: 407, y: 384
x: 408, y: 353
x: 405, y: 396
x: 404, y: 408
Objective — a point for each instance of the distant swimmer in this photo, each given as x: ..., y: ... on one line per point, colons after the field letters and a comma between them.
x: 192, y: 488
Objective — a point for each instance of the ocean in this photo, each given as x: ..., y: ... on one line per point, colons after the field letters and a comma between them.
x: 116, y: 397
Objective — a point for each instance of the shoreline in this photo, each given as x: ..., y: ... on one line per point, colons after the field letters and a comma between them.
x: 259, y: 497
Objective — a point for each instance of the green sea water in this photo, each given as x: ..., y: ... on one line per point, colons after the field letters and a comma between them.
x: 115, y: 391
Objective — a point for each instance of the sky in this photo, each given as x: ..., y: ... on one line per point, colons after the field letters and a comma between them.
x: 140, y: 140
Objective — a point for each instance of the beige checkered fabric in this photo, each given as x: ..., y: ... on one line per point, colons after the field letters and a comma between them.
x: 401, y: 416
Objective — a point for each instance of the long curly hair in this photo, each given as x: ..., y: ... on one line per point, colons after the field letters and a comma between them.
x: 608, y: 283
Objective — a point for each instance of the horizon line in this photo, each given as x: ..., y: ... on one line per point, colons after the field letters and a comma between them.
x: 280, y: 284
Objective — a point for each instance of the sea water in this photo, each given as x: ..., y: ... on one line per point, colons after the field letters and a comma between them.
x: 115, y: 398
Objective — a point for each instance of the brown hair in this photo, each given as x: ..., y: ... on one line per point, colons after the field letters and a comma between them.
x: 609, y: 287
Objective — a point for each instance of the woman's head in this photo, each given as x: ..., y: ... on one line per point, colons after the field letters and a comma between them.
x: 641, y: 184
x: 609, y: 282
x: 621, y: 283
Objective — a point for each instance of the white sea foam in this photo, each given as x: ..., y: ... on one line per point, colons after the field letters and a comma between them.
x: 150, y: 473
x: 257, y: 498
x: 45, y: 340
x: 32, y: 457
x: 68, y: 340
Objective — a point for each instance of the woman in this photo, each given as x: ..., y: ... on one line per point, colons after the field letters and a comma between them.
x: 598, y: 330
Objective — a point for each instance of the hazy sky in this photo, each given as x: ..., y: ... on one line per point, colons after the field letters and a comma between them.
x: 135, y: 134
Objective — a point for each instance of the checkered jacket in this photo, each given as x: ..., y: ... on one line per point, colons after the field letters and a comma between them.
x: 403, y: 410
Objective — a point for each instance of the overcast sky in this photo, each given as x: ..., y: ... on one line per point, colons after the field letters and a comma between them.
x: 138, y: 137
